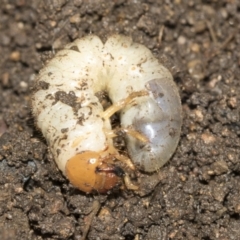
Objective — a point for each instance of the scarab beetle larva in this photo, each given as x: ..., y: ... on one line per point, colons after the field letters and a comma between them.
x: 78, y: 130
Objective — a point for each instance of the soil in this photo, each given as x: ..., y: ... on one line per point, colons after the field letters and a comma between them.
x: 197, y: 192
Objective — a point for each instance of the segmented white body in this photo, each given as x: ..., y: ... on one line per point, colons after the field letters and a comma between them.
x: 69, y: 114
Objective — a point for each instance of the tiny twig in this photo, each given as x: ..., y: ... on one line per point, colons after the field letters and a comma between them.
x: 89, y: 219
x: 212, y: 33
x: 160, y: 35
x: 228, y: 40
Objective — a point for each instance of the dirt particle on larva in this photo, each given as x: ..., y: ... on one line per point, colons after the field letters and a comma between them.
x: 64, y: 130
x: 43, y: 85
x: 75, y: 48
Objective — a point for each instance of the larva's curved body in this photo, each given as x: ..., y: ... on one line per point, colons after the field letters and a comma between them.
x: 70, y: 115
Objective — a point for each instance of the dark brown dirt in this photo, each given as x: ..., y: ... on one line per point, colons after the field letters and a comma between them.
x: 198, y: 195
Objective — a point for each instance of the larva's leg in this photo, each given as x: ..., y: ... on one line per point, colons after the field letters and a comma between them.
x: 122, y: 103
x: 126, y: 160
x: 129, y: 184
x: 110, y: 133
x: 134, y: 133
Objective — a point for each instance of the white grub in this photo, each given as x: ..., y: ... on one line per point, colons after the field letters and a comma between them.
x: 119, y: 67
